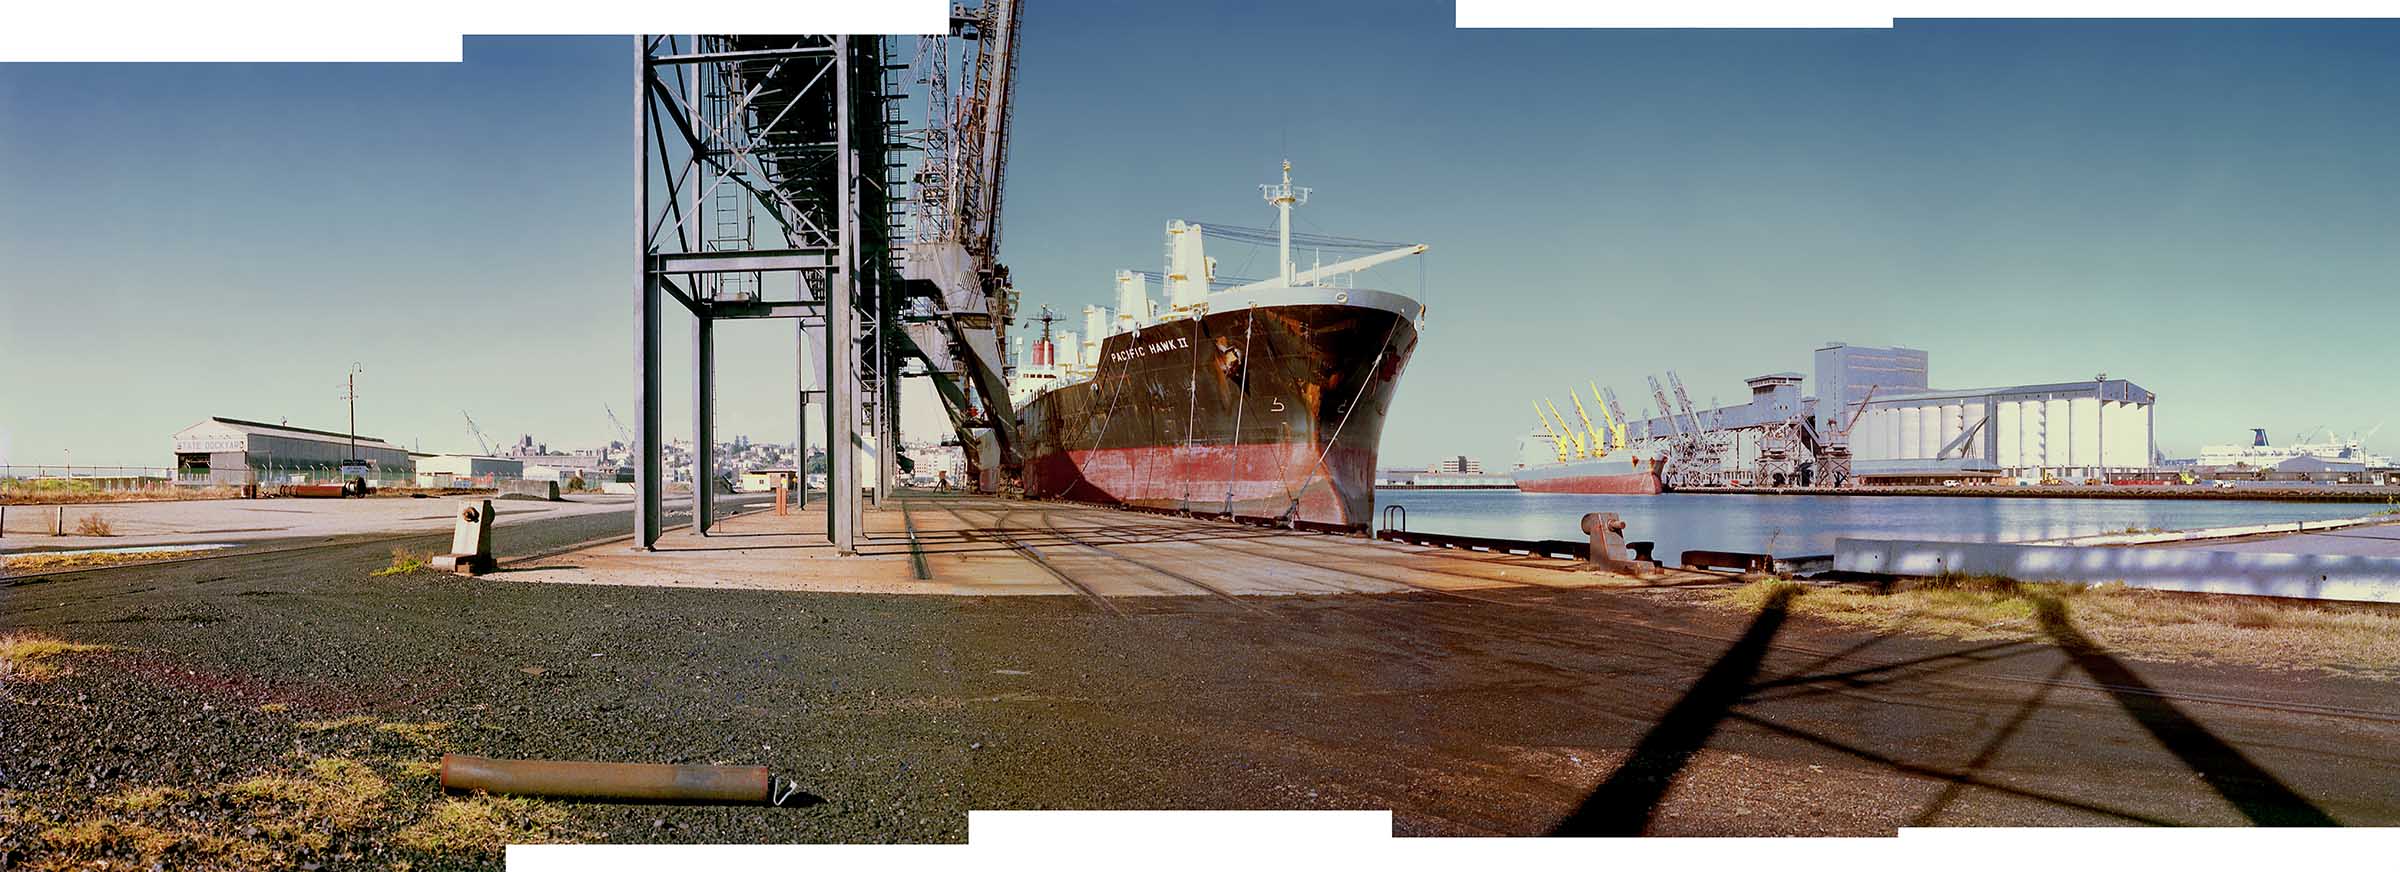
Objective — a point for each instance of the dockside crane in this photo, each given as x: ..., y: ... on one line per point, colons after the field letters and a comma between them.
x: 477, y: 432
x: 1617, y: 410
x: 1833, y: 462
x: 622, y: 433
x: 1658, y: 393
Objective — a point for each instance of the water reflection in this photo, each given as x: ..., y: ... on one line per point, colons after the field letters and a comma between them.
x: 1795, y: 525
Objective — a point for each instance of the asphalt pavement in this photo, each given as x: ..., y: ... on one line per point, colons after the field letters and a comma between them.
x: 1506, y: 712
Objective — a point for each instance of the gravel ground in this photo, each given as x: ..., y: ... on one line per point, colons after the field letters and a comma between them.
x: 1510, y: 714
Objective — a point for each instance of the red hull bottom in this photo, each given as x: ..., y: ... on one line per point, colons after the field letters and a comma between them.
x: 1634, y: 484
x: 1259, y: 480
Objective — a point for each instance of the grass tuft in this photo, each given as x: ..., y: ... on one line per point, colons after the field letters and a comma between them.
x: 2343, y: 638
x: 94, y: 525
x: 484, y: 824
x: 405, y: 561
x: 336, y: 724
x: 421, y: 735
x: 41, y: 562
x: 27, y: 656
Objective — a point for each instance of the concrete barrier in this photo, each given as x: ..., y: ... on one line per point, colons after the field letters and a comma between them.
x: 2302, y: 576
x: 522, y: 489
x: 2163, y: 536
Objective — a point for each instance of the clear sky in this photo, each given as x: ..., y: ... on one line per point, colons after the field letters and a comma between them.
x: 2204, y: 208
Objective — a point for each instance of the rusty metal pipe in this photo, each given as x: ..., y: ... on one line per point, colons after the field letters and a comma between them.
x: 657, y: 782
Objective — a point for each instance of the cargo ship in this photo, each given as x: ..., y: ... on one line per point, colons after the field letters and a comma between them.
x: 1593, y: 459
x: 1251, y: 399
x: 1625, y: 474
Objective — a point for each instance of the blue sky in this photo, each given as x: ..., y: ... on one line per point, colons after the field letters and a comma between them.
x: 2201, y: 207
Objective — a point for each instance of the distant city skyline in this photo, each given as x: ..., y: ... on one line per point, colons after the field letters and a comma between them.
x: 2200, y: 207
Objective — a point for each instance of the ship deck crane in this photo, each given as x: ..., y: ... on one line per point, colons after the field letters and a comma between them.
x: 1599, y: 437
x: 1574, y: 437
x: 1617, y: 410
x: 1616, y: 426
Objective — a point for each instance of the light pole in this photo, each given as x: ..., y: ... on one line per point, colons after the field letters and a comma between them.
x: 352, y: 395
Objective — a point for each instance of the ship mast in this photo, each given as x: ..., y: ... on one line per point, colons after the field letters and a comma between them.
x: 1284, y: 197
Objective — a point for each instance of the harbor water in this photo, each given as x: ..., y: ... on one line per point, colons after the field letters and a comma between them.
x: 1796, y: 525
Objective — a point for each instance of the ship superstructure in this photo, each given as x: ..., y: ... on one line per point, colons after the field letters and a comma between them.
x: 1252, y: 398
x: 2260, y: 454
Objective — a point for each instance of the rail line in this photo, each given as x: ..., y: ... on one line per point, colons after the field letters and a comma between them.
x: 2280, y: 706
x: 1219, y: 593
x: 999, y: 528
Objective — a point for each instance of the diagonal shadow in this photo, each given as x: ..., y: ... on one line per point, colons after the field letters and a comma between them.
x: 1624, y: 804
x: 2257, y: 793
x: 1991, y: 750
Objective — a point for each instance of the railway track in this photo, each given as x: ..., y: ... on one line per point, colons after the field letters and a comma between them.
x: 1825, y: 657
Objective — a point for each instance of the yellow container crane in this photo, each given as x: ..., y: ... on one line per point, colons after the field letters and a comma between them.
x: 1556, y: 441
x: 1575, y: 437
x: 1616, y: 428
x: 1599, y: 439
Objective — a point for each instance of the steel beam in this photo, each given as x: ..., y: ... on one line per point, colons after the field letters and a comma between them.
x: 800, y: 401
x: 763, y: 260
x: 734, y: 311
x: 841, y: 319
x: 646, y: 476
x: 704, y: 424
x: 758, y: 55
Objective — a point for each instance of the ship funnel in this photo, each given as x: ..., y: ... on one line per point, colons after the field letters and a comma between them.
x: 2258, y: 437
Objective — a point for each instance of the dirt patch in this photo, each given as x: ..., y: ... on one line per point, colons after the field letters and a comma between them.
x: 2360, y: 639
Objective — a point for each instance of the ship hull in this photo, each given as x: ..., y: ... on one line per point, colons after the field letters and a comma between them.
x: 1272, y: 411
x: 1632, y: 477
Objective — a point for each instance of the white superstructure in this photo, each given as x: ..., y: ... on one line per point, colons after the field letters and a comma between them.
x: 1190, y: 287
x: 2261, y: 455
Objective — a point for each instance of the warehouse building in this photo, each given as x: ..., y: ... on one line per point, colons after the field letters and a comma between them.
x: 466, y: 470
x: 225, y: 451
x: 2069, y: 431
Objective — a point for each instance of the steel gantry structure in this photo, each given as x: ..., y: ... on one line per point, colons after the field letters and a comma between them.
x: 797, y: 131
x: 774, y: 180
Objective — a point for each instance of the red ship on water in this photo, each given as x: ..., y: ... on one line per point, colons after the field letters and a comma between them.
x: 1261, y: 399
x: 1592, y: 459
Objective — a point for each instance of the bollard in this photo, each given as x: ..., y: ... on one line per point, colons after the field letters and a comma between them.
x: 58, y: 526
x: 1608, y: 547
x: 782, y: 503
x: 470, y: 541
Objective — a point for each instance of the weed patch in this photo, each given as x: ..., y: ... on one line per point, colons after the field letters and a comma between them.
x: 28, y: 656
x: 484, y: 825
x: 405, y: 561
x: 2343, y: 638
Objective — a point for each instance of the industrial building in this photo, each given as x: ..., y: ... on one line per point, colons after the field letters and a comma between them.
x: 222, y: 451
x: 1457, y: 465
x: 1875, y: 419
x: 2069, y: 431
x: 458, y: 470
